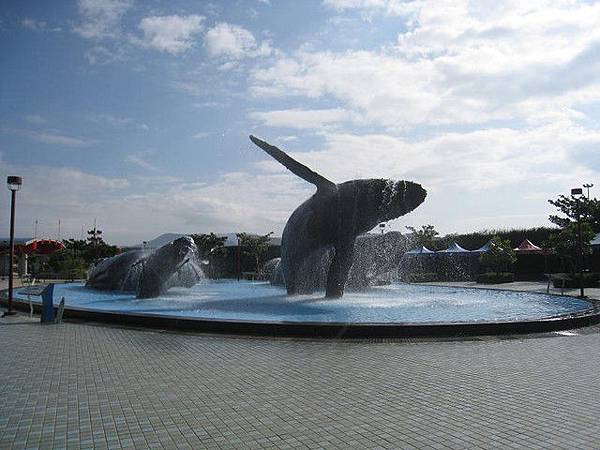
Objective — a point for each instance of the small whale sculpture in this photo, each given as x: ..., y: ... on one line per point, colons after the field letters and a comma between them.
x: 149, y: 275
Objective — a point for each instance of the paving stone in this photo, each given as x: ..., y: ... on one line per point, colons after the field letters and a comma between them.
x: 84, y: 386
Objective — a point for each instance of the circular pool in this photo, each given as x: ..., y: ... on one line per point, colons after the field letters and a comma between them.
x: 412, y: 307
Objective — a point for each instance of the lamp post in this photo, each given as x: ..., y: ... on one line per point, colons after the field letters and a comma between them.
x: 588, y: 186
x: 577, y: 193
x: 14, y: 184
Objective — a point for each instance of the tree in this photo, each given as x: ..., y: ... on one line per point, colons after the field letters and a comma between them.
x: 210, y: 244
x: 67, y: 263
x: 211, y: 247
x: 500, y: 256
x: 254, y: 246
x: 423, y: 236
x: 565, y: 243
x: 91, y: 250
x: 589, y: 211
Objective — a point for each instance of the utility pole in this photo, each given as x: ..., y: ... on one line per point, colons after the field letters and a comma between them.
x: 14, y: 184
x: 577, y: 193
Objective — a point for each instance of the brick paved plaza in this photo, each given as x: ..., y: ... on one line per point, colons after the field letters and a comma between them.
x: 85, y: 386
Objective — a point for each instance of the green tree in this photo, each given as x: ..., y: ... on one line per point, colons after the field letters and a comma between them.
x: 254, y: 246
x: 423, y: 236
x: 67, y: 264
x: 212, y: 248
x: 210, y: 244
x: 570, y: 208
x: 565, y: 243
x: 91, y: 250
x: 500, y: 256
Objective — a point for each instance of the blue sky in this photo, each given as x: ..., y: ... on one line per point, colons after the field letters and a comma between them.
x: 137, y: 113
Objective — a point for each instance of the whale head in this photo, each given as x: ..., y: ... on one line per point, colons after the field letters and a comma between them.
x: 371, y: 201
x: 163, y: 264
x: 399, y: 198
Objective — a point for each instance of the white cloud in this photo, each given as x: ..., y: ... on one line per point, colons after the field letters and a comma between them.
x: 201, y: 135
x: 66, y: 193
x: 101, y: 55
x: 101, y: 18
x: 288, y: 138
x: 118, y: 121
x: 171, y: 34
x: 49, y: 137
x: 389, y: 7
x: 480, y: 160
x: 36, y: 119
x: 139, y: 159
x: 234, y: 42
x: 483, y: 175
x: 219, y: 206
x: 33, y: 24
x: 457, y: 63
x: 301, y: 118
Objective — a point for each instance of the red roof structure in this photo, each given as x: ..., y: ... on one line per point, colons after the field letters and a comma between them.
x: 43, y: 246
x: 527, y: 247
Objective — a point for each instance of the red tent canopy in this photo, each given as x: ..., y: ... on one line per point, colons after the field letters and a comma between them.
x: 528, y: 247
x: 43, y: 246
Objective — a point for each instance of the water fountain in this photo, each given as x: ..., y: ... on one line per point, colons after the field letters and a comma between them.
x: 324, y: 250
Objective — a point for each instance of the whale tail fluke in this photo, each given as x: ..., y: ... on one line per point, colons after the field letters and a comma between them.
x: 294, y: 166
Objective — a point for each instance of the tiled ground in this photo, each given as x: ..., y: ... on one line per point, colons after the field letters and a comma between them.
x: 85, y: 386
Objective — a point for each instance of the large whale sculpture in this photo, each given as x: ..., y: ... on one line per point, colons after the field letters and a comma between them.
x: 332, y: 219
x: 149, y: 274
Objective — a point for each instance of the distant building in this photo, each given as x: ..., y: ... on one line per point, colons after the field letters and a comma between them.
x: 21, y: 259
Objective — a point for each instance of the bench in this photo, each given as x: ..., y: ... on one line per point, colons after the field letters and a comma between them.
x: 562, y: 277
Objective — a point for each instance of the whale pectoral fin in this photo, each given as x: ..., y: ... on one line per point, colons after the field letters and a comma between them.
x: 339, y: 269
x: 294, y: 166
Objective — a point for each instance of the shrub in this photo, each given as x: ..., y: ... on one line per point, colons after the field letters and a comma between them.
x: 590, y: 279
x: 422, y: 277
x: 495, y: 277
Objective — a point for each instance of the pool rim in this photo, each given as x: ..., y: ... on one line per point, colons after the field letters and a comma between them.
x: 340, y: 330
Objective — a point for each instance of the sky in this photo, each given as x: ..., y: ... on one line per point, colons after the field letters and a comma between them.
x: 136, y: 114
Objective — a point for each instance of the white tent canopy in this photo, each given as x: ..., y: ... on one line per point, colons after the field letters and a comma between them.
x: 420, y: 251
x: 483, y: 249
x: 455, y: 248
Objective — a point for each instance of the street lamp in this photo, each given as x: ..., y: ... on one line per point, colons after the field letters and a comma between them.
x: 14, y: 184
x: 588, y: 186
x: 576, y: 194
x: 382, y: 227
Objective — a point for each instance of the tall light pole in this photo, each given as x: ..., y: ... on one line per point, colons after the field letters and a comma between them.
x: 577, y: 193
x: 14, y: 184
x: 588, y: 186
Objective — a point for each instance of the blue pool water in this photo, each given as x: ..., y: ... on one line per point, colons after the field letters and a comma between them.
x: 396, y: 303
